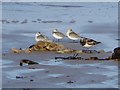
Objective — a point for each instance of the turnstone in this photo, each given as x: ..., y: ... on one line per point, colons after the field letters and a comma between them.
x: 87, y: 42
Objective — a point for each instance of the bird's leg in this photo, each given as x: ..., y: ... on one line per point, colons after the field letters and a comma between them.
x: 53, y: 39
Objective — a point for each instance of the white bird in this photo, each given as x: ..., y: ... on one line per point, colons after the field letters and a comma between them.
x: 58, y: 35
x: 72, y: 35
x: 88, y: 43
x: 40, y: 37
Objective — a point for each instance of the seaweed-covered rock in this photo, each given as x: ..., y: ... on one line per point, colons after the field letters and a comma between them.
x: 65, y: 51
x: 47, y: 46
x: 41, y: 46
x: 116, y: 53
x: 92, y: 58
x: 14, y: 50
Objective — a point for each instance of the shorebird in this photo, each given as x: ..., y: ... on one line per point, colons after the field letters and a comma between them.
x: 58, y: 35
x: 72, y: 35
x: 40, y: 37
x: 88, y: 43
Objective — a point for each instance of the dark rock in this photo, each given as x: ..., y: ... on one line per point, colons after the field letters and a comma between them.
x: 90, y: 21
x: 31, y: 68
x: 31, y: 80
x: 26, y: 61
x: 67, y: 76
x: 72, y: 21
x: 46, y: 71
x: 31, y: 46
x: 39, y: 19
x: 94, y: 58
x: 116, y: 53
x: 26, y: 89
x: 24, y: 21
x: 34, y: 21
x: 92, y: 80
x: 70, y: 82
x: 18, y: 77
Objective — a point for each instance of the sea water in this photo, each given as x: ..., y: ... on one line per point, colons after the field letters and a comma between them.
x: 103, y: 25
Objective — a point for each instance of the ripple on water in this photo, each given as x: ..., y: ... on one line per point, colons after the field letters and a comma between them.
x: 28, y: 34
x: 55, y: 75
x: 106, y: 84
x: 4, y: 62
x: 110, y: 71
x: 53, y: 62
x: 12, y: 74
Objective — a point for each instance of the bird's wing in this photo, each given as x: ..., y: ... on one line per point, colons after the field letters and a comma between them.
x: 73, y: 34
x: 60, y: 34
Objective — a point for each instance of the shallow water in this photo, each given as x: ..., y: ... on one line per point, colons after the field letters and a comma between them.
x: 103, y: 28
x: 66, y: 15
x: 49, y: 71
x: 12, y: 74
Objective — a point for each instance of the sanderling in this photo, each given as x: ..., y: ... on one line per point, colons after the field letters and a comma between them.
x: 40, y: 37
x: 58, y: 35
x: 88, y: 43
x: 72, y: 35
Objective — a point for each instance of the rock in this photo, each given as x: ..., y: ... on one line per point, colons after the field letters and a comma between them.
x: 27, y: 50
x: 31, y: 46
x: 31, y: 80
x: 18, y: 77
x: 47, y: 46
x: 70, y: 82
x: 14, y: 50
x: 89, y: 51
x: 90, y: 21
x: 92, y: 58
x: 26, y: 61
x: 72, y: 21
x: 42, y: 46
x: 101, y: 51
x: 116, y: 53
x: 65, y: 51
